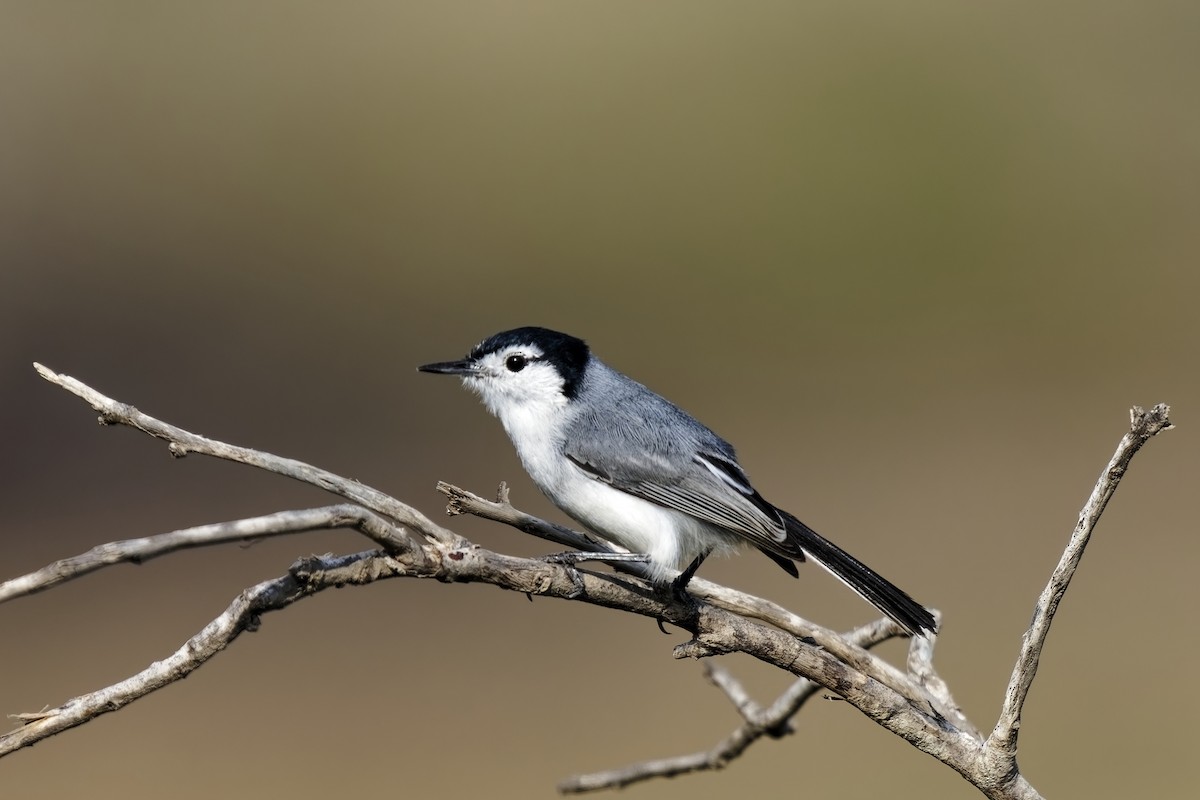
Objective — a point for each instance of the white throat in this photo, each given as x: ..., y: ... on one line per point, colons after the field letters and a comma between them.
x: 534, y: 421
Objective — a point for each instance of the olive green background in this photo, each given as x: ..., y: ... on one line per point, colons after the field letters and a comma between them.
x: 916, y: 260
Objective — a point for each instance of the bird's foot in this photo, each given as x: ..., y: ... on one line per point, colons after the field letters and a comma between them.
x: 680, y: 584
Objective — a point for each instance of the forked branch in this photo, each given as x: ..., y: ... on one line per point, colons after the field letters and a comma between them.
x: 915, y: 704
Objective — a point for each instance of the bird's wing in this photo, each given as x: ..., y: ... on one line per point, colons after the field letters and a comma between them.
x: 712, y: 488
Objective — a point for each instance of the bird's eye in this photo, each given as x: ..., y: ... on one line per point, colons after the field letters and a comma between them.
x: 515, y: 362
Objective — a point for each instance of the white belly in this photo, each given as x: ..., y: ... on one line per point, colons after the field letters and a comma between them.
x: 671, y: 538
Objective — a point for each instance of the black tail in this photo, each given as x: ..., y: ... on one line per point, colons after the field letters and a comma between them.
x: 873, y: 587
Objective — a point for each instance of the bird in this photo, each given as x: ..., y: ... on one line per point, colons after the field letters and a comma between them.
x: 634, y: 468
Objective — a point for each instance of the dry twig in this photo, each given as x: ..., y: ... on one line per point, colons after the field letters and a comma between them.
x: 773, y: 721
x: 916, y: 705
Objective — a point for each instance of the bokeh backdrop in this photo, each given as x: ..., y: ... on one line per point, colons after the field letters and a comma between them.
x: 917, y: 260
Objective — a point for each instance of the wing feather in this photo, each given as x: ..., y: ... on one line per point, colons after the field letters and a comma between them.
x: 719, y: 494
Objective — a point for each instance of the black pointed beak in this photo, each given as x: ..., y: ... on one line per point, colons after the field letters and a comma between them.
x: 461, y: 367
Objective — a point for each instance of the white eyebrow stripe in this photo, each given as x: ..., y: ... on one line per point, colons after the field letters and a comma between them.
x: 724, y: 476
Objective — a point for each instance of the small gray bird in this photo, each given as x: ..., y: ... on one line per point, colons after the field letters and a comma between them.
x: 637, y: 470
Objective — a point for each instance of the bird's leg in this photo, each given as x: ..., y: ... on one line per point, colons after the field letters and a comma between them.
x: 572, y: 558
x: 679, y: 585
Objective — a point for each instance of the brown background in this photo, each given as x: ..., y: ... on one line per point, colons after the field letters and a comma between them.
x: 917, y: 260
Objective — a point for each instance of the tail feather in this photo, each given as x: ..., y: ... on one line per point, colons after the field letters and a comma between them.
x: 870, y: 585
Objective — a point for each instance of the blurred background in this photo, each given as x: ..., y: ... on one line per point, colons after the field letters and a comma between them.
x: 917, y: 261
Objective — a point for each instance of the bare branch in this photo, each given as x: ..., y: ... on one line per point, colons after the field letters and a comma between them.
x: 307, y: 577
x: 723, y: 679
x: 1002, y: 744
x: 917, y: 705
x: 715, y: 631
x: 182, y: 442
x: 773, y: 721
x: 143, y: 549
